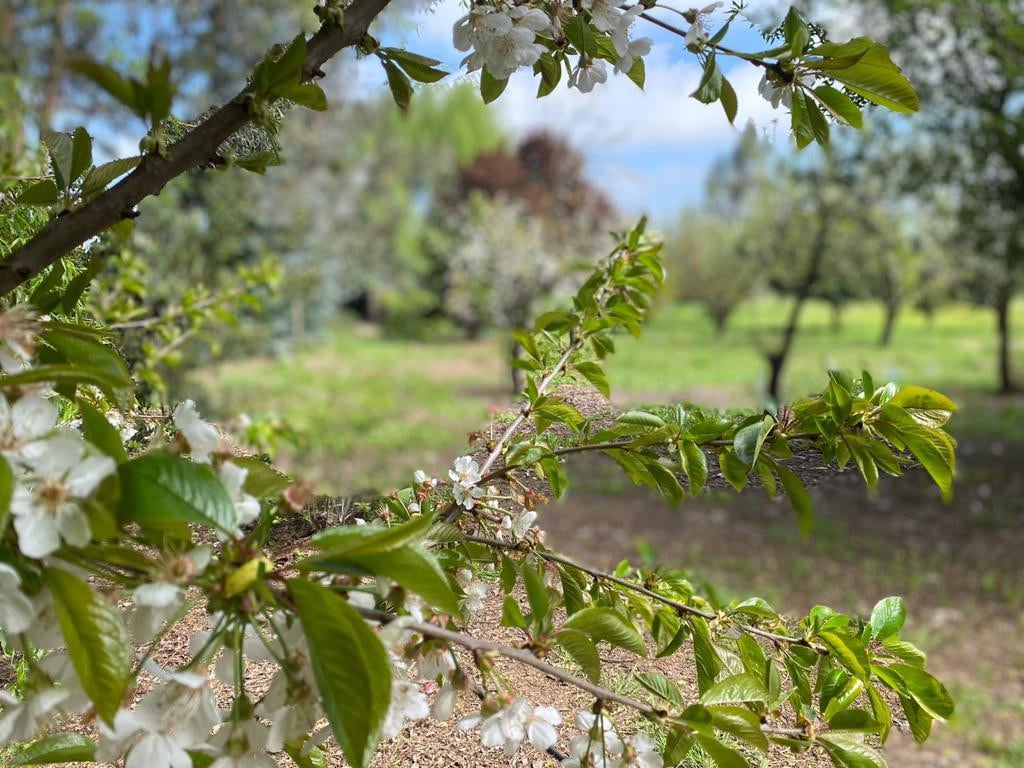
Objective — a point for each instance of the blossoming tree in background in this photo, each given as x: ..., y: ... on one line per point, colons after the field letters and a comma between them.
x: 116, y: 522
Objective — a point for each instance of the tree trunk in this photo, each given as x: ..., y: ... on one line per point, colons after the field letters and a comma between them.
x: 777, y: 359
x: 298, y: 322
x: 720, y: 320
x: 836, y: 318
x: 1006, y: 383
x: 517, y: 378
x: 889, y: 324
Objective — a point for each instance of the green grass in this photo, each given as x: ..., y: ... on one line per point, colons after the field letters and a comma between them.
x: 373, y: 410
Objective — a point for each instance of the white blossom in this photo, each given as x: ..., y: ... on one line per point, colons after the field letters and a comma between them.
x: 30, y: 418
x: 232, y: 477
x: 291, y: 704
x: 642, y: 753
x: 502, y: 39
x: 435, y: 663
x: 776, y: 92
x: 242, y: 745
x: 23, y: 720
x: 444, y: 703
x: 511, y: 724
x: 422, y: 478
x: 588, y: 74
x: 203, y: 438
x: 61, y: 471
x: 172, y: 718
x: 475, y: 589
x: 604, y: 13
x: 408, y: 702
x: 697, y: 34
x: 519, y: 525
x: 18, y: 330
x: 16, y: 610
x: 466, y: 471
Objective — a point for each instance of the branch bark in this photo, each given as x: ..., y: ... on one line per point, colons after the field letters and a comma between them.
x: 66, y: 232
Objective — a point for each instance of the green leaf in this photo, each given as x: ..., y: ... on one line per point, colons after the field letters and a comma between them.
x: 641, y: 419
x: 865, y: 67
x: 734, y: 470
x: 512, y: 614
x: 6, y: 492
x: 59, y: 748
x: 398, y: 82
x: 413, y: 567
x: 848, y: 651
x: 887, y: 617
x: 261, y: 479
x: 638, y: 73
x: 583, y: 651
x: 370, y: 539
x: 708, y: 662
x: 660, y: 686
x: 81, y: 153
x: 724, y: 757
x: 850, y: 753
x: 43, y: 192
x: 695, y: 465
x: 419, y: 68
x: 309, y: 95
x: 922, y: 399
x: 165, y: 492
x: 799, y: 498
x: 111, y: 81
x: 581, y: 35
x: 96, y: 639
x: 536, y: 591
x: 97, y: 179
x: 926, y: 690
x: 287, y: 70
x: 750, y: 439
x: 800, y: 121
x: 796, y: 32
x: 60, y: 147
x: 91, y: 355
x: 352, y: 670
x: 710, y: 88
x: 101, y: 432
x: 741, y: 723
x: 610, y: 626
x: 490, y: 86
x: 728, y: 98
x: 595, y: 374
x: 736, y: 689
x: 841, y: 107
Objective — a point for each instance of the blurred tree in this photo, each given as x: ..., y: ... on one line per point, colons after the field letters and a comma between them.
x: 708, y: 264
x: 967, y: 60
x: 540, y: 192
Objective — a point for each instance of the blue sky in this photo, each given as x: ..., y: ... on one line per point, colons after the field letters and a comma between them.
x: 649, y: 150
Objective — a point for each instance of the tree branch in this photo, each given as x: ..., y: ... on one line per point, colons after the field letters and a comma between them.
x: 64, y: 233
x: 679, y: 607
x: 479, y: 645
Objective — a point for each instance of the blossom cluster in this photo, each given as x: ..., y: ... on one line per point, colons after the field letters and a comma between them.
x: 505, y: 37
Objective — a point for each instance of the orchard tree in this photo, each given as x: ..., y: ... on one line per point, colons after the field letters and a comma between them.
x: 968, y: 59
x: 115, y: 520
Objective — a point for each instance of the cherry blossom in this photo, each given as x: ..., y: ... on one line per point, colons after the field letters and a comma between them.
x: 203, y: 438
x: 60, y: 472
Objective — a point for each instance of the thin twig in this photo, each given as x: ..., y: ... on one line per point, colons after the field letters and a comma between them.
x: 679, y: 607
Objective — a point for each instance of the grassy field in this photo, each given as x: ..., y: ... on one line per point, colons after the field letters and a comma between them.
x: 373, y: 410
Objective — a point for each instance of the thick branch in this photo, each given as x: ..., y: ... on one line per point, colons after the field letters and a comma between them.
x: 72, y: 229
